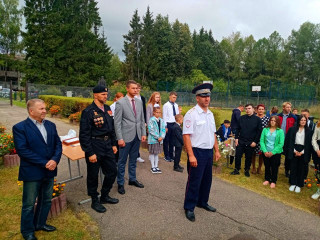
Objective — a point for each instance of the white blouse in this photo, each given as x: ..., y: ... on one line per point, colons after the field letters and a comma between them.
x: 300, y: 139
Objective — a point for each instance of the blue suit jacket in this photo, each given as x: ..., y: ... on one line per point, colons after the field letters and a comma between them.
x: 34, y: 152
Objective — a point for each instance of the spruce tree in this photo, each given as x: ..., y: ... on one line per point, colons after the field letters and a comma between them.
x: 63, y: 43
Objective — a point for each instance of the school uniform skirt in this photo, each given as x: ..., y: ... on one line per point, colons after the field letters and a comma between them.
x: 155, y: 148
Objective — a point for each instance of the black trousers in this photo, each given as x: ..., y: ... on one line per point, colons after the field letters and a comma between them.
x: 272, y: 167
x: 177, y: 156
x: 248, y: 151
x: 297, y: 171
x: 167, y: 144
x: 287, y: 163
x: 108, y: 166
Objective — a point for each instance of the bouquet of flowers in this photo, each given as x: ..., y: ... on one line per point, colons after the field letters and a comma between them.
x: 224, y: 148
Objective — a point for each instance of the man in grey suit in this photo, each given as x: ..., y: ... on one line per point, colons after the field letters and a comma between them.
x: 130, y: 130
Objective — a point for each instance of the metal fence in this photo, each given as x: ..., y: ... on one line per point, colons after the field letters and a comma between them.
x: 273, y: 93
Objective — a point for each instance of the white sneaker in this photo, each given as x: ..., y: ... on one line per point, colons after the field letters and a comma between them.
x: 139, y: 159
x: 298, y: 189
x: 154, y: 170
x: 316, y: 195
x: 292, y: 187
x: 158, y: 170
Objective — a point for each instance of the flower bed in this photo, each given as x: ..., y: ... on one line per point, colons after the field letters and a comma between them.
x: 55, y: 110
x: 6, y: 144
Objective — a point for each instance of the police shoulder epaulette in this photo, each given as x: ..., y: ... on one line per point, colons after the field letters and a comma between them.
x: 191, y: 110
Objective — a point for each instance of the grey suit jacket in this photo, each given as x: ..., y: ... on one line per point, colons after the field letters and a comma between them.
x: 125, y: 123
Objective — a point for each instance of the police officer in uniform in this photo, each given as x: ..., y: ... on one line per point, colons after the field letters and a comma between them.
x: 199, y: 138
x: 98, y: 141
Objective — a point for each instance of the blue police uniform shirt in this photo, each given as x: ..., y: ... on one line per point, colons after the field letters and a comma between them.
x: 201, y: 127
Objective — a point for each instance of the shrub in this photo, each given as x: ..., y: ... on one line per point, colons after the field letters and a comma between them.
x: 68, y: 105
x: 55, y: 109
x: 75, y: 116
x: 6, y: 144
x: 2, y: 129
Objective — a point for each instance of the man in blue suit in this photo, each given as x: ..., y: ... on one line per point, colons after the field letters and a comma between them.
x: 39, y: 148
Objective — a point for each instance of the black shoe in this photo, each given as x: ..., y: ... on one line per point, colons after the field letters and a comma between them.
x: 235, y: 172
x: 180, y: 167
x: 108, y: 199
x: 121, y: 189
x: 46, y: 228
x: 30, y: 236
x: 136, y: 184
x: 95, y: 205
x: 208, y: 208
x: 190, y: 215
x: 177, y: 169
x: 246, y: 173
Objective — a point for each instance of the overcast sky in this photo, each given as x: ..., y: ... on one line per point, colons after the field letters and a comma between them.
x: 257, y: 17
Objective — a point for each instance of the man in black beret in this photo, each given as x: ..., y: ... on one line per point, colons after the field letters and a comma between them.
x: 98, y: 141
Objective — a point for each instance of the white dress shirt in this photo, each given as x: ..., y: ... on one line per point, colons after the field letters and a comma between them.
x: 41, y: 127
x: 113, y: 108
x: 300, y: 139
x: 167, y: 111
x: 201, y: 127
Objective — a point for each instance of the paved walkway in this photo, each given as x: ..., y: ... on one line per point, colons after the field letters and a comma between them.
x: 156, y: 212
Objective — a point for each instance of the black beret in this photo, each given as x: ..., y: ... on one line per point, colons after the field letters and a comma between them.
x: 99, y: 89
x: 203, y: 89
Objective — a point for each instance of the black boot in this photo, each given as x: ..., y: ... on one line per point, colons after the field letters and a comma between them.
x: 95, y: 205
x: 108, y: 199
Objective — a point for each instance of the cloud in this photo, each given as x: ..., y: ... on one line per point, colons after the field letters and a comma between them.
x: 257, y: 17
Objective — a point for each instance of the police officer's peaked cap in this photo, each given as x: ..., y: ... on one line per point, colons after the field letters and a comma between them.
x: 203, y: 90
x: 99, y: 89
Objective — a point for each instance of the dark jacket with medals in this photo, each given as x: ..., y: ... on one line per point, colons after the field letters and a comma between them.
x: 96, y: 130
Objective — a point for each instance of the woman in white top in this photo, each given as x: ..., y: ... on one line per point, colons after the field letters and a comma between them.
x: 154, y: 99
x: 299, y: 152
x: 117, y: 97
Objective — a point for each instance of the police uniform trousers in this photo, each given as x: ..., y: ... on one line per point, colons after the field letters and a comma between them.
x: 108, y: 166
x: 199, y: 179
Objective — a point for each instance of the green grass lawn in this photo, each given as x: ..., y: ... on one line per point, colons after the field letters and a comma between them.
x: 70, y: 224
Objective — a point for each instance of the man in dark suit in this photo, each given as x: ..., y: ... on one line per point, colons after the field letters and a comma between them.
x: 177, y: 142
x: 39, y: 148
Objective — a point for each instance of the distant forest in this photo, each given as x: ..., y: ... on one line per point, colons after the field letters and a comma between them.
x: 64, y: 44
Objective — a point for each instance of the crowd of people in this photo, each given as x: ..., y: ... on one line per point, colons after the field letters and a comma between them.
x: 110, y: 136
x: 270, y: 136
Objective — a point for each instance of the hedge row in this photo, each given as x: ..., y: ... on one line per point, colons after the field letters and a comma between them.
x: 68, y: 105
